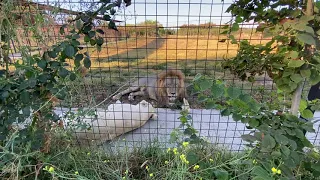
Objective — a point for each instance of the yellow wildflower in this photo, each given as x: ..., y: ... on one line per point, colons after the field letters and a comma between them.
x: 185, y: 144
x: 196, y: 167
x: 168, y: 150
x: 126, y: 172
x: 147, y: 168
x: 105, y: 161
x: 76, y: 173
x: 51, y: 169
x: 211, y: 160
x: 123, y: 139
x: 151, y: 174
x: 254, y: 161
x: 175, y: 150
x: 88, y: 153
x: 275, y: 170
x: 184, y: 159
x: 166, y: 162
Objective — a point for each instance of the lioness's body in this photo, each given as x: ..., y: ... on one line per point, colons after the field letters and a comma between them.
x: 164, y: 88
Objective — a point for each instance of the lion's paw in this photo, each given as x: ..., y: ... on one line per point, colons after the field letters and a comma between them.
x: 131, y: 97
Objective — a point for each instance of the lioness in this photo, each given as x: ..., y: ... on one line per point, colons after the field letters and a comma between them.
x: 164, y: 88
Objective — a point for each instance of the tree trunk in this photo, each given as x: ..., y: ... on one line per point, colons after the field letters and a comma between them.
x: 298, y: 92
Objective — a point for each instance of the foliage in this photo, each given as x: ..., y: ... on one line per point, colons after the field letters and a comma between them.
x: 291, y: 56
x: 277, y: 139
x: 28, y: 92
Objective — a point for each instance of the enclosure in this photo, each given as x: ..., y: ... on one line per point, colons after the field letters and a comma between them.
x: 153, y: 36
x: 104, y: 61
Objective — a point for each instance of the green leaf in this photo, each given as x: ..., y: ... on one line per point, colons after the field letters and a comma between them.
x: 107, y: 17
x: 210, y: 105
x: 296, y: 63
x: 42, y: 64
x: 192, y: 157
x: 87, y: 28
x: 217, y: 91
x: 69, y: 51
x: 78, y: 24
x: 112, y: 25
x: 92, y: 42
x: 79, y: 57
x: 73, y: 77
x: 86, y: 38
x: 87, y: 62
x: 235, y: 27
x: 285, y: 150
x: 293, y: 54
x: 61, y: 31
x: 245, y: 98
x: 296, y: 78
x: 306, y: 73
x: 248, y: 138
x: 303, y: 105
x: 260, y: 172
x: 253, y: 123
x: 100, y: 31
x: 292, y: 145
x: 236, y: 116
x: 52, y: 54
x: 91, y: 34
x: 197, y: 77
x: 205, y: 84
x: 276, y: 154
x: 306, y: 38
x: 314, y: 77
x: 299, y: 134
x: 268, y: 142
x: 25, y: 97
x: 221, y: 174
x: 63, y: 72
x: 99, y: 41
x: 26, y: 111
x: 225, y: 112
x: 307, y: 114
x: 304, y: 28
x: 281, y: 139
x: 233, y: 92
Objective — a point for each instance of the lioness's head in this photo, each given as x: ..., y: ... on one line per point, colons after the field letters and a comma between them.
x: 170, y: 86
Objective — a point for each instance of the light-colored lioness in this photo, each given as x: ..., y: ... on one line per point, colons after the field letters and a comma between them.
x: 165, y: 88
x: 117, y: 120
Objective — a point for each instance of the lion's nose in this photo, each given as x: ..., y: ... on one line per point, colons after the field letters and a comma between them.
x: 173, y: 93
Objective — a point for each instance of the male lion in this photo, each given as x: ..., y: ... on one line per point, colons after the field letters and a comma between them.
x: 164, y: 88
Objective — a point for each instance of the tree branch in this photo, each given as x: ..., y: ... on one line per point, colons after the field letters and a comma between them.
x: 298, y: 92
x: 54, y: 8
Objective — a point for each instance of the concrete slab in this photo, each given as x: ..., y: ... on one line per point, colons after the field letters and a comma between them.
x: 217, y: 129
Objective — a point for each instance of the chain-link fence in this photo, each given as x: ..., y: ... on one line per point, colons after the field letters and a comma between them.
x: 152, y: 37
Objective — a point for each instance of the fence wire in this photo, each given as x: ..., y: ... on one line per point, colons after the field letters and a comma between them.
x: 154, y: 36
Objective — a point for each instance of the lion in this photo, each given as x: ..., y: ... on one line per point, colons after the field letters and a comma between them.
x: 164, y: 88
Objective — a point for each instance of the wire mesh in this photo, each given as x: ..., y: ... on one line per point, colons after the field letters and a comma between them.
x: 153, y: 36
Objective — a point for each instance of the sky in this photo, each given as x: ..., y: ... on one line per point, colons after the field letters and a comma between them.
x: 170, y: 13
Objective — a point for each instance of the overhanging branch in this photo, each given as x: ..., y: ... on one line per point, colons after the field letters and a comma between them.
x: 55, y: 8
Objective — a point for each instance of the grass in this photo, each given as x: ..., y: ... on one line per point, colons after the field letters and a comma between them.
x: 148, y: 162
x: 151, y: 161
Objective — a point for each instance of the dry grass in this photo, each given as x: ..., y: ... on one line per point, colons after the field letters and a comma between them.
x: 174, y: 49
x: 114, y: 48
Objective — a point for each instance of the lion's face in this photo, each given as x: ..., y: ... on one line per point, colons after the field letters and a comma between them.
x: 172, y: 88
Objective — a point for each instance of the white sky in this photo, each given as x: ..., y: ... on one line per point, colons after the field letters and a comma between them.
x: 168, y: 12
